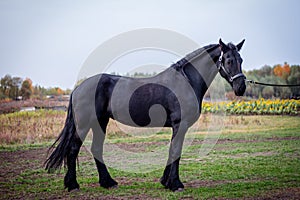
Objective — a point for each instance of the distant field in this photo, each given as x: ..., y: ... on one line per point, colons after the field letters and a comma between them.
x: 9, y: 106
x: 255, y: 157
x: 30, y: 127
x: 44, y: 125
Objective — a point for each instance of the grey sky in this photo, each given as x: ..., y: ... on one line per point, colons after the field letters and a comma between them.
x: 48, y: 41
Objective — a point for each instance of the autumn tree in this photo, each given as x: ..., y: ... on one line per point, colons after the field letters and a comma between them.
x: 59, y: 91
x: 282, y: 71
x: 278, y: 70
x: 10, y: 86
x: 26, y: 89
x: 286, y: 70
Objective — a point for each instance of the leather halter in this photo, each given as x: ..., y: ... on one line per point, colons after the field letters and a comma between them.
x: 230, y: 78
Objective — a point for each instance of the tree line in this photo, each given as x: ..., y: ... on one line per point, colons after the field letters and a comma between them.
x: 278, y: 74
x: 282, y: 74
x: 16, y: 88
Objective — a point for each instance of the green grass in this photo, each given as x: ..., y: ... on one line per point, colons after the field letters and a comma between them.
x: 242, y: 164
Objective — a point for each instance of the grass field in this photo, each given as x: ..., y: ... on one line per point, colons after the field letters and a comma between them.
x: 255, y: 157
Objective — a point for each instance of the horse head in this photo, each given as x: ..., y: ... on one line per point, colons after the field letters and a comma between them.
x: 230, y: 66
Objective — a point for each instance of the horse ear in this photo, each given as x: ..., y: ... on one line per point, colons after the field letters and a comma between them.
x: 239, y: 46
x: 223, y: 46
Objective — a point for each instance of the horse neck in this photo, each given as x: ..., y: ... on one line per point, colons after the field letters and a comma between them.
x: 201, y: 68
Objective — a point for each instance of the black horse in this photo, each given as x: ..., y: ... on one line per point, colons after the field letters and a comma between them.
x: 172, y: 98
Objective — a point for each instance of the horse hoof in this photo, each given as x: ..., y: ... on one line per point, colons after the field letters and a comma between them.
x: 74, y: 190
x: 179, y: 190
x: 114, y: 187
x: 163, y: 182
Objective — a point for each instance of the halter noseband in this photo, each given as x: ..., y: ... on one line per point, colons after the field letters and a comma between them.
x: 221, y: 66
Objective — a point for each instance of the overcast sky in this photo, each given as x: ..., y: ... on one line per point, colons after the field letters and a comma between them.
x: 48, y: 41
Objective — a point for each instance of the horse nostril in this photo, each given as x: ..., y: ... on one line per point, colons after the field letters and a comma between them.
x: 242, y: 89
x: 239, y: 87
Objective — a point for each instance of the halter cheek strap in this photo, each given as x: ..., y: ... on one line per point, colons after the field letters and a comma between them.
x: 221, y: 66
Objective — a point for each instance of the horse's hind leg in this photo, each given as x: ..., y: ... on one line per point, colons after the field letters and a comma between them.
x: 105, y: 179
x: 70, y: 181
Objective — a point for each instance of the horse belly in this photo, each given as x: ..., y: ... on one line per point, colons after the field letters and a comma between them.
x: 147, y: 106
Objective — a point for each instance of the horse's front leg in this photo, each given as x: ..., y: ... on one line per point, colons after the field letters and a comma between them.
x: 170, y: 178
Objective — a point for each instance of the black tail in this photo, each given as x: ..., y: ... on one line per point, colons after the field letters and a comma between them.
x: 64, y: 140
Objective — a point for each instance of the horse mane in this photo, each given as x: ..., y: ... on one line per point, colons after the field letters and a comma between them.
x: 182, y: 62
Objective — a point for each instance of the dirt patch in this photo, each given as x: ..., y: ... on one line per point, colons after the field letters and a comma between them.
x: 213, y: 183
x: 142, y: 146
x: 283, y: 194
x: 14, y: 163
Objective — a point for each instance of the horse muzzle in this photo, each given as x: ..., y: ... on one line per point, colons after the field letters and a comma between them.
x: 239, y: 86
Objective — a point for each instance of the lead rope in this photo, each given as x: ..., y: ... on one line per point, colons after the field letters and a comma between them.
x: 271, y: 84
